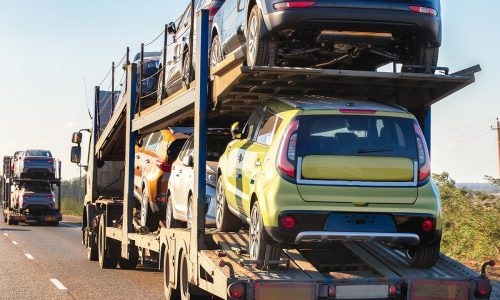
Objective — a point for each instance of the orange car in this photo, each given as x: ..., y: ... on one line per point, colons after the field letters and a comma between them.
x: 155, y: 153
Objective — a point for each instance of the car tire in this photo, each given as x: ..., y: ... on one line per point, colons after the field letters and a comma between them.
x: 423, y: 256
x: 259, y: 240
x: 425, y: 56
x: 170, y: 291
x: 257, y: 48
x: 108, y: 249
x: 187, y: 70
x: 216, y: 55
x: 189, y: 212
x: 225, y: 220
x: 92, y: 251
x: 170, y: 221
x: 148, y: 218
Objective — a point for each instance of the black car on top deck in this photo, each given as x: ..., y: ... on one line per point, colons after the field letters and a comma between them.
x: 351, y: 34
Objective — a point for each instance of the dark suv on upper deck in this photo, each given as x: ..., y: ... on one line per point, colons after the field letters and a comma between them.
x: 358, y: 35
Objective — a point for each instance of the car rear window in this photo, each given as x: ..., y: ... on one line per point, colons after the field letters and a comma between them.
x: 37, y: 187
x: 355, y: 135
x: 38, y: 153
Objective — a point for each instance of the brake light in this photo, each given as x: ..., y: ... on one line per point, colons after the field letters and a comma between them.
x: 393, y: 290
x: 483, y: 288
x: 237, y: 290
x: 164, y: 166
x: 286, y: 160
x: 293, y: 5
x: 423, y: 10
x: 50, y: 161
x: 288, y: 222
x: 424, y: 164
x: 358, y: 111
x: 428, y: 225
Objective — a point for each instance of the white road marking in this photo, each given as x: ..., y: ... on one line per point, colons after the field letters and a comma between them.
x: 58, y: 284
x: 29, y: 256
x: 14, y: 242
x: 70, y: 225
x: 6, y: 234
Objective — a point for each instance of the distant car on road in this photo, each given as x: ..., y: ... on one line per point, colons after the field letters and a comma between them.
x: 179, y: 70
x: 153, y: 165
x: 33, y: 196
x: 35, y: 164
x: 181, y: 184
x: 329, y: 34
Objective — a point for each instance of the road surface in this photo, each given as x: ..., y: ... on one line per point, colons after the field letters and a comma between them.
x: 39, y: 262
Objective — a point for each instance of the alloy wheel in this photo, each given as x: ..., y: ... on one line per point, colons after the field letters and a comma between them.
x: 219, y: 208
x: 252, y: 41
x: 144, y: 209
x: 189, y: 213
x: 254, y: 232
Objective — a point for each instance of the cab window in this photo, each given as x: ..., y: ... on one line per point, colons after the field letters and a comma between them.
x: 252, y: 124
x: 154, y: 141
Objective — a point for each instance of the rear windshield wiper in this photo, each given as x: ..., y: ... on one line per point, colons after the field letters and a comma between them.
x: 362, y: 151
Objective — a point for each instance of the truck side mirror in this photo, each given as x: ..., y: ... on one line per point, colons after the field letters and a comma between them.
x: 171, y: 28
x: 235, y: 131
x: 76, y: 138
x: 76, y: 154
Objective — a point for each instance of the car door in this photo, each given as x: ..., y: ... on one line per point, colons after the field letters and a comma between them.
x: 182, y: 175
x: 237, y: 196
x: 233, y: 24
x: 181, y: 37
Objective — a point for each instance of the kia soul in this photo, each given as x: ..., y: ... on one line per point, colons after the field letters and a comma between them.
x: 315, y: 170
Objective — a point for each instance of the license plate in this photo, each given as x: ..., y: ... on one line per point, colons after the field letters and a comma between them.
x: 439, y: 290
x: 288, y: 291
x: 362, y: 292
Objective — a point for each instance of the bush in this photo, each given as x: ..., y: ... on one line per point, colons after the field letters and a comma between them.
x: 70, y: 206
x: 471, y: 226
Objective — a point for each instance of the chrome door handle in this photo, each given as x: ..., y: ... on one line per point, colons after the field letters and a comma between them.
x: 147, y: 161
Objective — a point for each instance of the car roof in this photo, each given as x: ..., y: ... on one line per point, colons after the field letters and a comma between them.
x: 326, y: 103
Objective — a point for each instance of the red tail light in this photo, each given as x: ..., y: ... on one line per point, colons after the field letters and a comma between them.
x: 288, y: 222
x: 424, y: 164
x: 26, y: 160
x: 212, y: 11
x: 292, y: 5
x: 423, y: 10
x: 25, y: 196
x: 164, y: 166
x: 50, y: 161
x: 483, y: 288
x: 393, y: 290
x: 237, y: 290
x: 287, y: 156
x: 428, y: 225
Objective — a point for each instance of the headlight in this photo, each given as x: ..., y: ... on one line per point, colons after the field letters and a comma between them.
x: 211, y: 179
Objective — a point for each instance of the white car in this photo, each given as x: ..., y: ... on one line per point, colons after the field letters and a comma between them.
x: 181, y: 186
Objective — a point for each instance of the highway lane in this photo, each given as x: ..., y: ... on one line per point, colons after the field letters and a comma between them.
x: 39, y: 262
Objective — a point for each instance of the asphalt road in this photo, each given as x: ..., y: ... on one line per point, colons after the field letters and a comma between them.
x: 39, y: 262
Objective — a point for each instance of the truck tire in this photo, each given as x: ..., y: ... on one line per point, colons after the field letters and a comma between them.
x: 128, y: 264
x: 423, y: 256
x: 5, y: 218
x: 225, y: 220
x: 170, y: 291
x: 55, y: 224
x: 259, y: 240
x: 108, y: 250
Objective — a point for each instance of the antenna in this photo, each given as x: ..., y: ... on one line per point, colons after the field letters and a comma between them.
x: 86, y: 96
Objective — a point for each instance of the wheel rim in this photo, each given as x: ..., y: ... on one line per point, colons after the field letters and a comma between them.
x: 254, y: 233
x: 144, y: 209
x: 190, y: 212
x: 219, y: 207
x: 186, y: 72
x: 168, y: 217
x: 216, y: 53
x: 252, y: 41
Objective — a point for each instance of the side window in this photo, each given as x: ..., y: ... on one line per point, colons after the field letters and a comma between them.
x: 185, y: 148
x: 154, y: 141
x: 252, y: 124
x: 268, y: 128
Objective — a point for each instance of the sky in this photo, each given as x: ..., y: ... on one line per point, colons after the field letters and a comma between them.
x: 55, y: 51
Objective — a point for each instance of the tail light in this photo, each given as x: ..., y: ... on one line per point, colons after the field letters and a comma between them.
x: 293, y: 5
x: 50, y: 161
x: 287, y: 156
x: 26, y: 160
x: 483, y: 288
x: 288, y: 222
x: 25, y: 196
x: 164, y: 166
x: 237, y: 290
x: 358, y: 111
x: 428, y: 225
x: 332, y: 291
x: 423, y: 10
x: 424, y: 164
x: 392, y: 290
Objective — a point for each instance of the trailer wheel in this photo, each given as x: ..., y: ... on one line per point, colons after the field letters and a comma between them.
x: 170, y: 292
x: 423, y: 256
x: 10, y: 221
x: 225, y: 220
x: 108, y: 258
x: 5, y: 217
x: 128, y: 264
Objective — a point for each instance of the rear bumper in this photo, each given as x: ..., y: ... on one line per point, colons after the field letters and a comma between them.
x: 42, y: 217
x: 426, y: 27
x: 311, y: 228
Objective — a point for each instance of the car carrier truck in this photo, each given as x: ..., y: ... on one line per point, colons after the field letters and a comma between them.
x: 202, y: 262
x: 30, y: 200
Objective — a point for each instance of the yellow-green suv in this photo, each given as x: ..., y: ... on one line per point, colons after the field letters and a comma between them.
x: 316, y: 170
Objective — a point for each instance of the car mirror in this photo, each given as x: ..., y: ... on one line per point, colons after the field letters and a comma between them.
x: 76, y: 154
x: 235, y: 131
x: 76, y: 138
x: 171, y: 28
x: 188, y: 161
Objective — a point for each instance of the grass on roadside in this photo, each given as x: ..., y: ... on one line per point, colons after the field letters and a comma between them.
x: 71, y: 207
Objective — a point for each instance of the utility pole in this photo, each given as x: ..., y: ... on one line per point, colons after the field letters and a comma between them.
x: 498, y: 141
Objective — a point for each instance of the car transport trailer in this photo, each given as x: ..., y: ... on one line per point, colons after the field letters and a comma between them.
x: 11, y: 216
x: 201, y: 262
